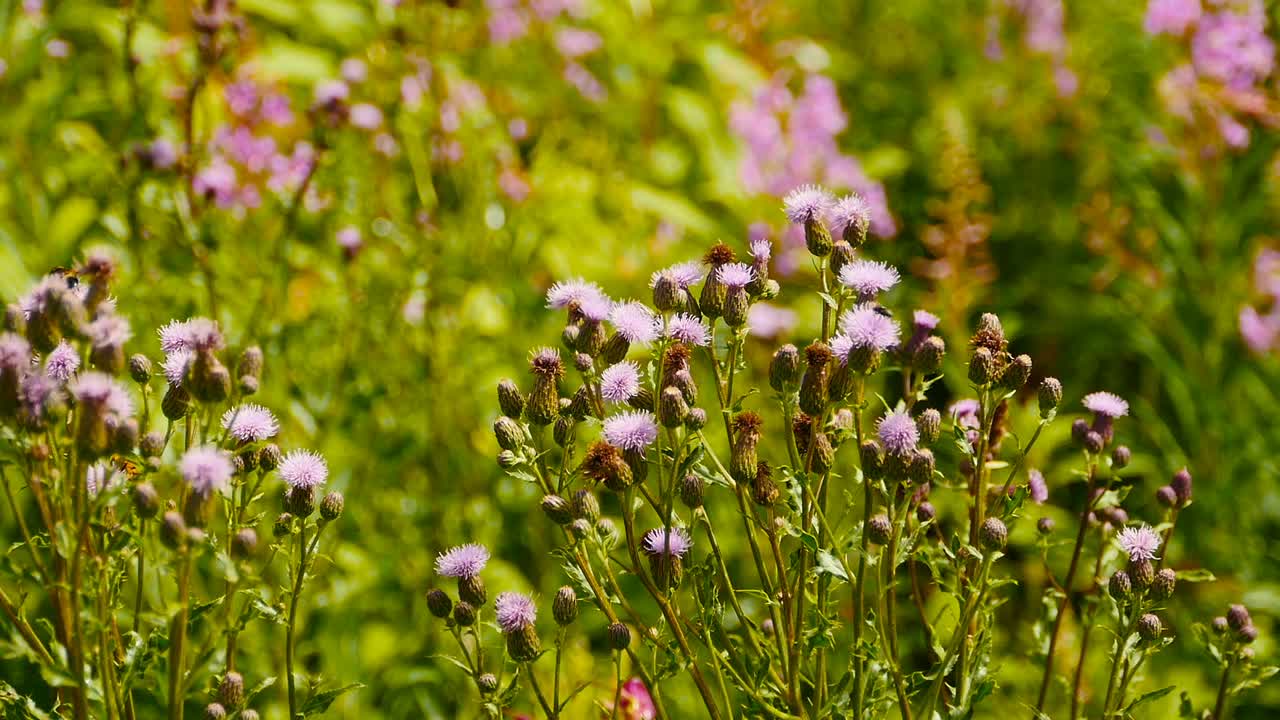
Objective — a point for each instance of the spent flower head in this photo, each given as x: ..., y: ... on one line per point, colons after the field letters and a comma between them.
x: 463, y: 561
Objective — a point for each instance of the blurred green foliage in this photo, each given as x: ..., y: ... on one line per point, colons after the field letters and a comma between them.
x: 1116, y: 261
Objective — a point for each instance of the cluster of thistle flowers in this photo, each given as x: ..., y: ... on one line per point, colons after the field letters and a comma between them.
x: 87, y: 447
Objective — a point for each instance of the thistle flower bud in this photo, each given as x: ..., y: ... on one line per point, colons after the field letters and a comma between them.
x: 210, y: 379
x: 982, y: 366
x: 668, y: 296
x: 580, y: 529
x: 1045, y: 525
x: 488, y: 683
x: 1049, y: 395
x: 696, y: 419
x: 990, y: 334
x: 927, y: 358
x: 1120, y: 586
x: 1162, y: 587
x: 879, y: 529
x: 1149, y: 627
x: 146, y: 502
x: 564, y: 608
x: 151, y: 444
x: 175, y: 403
x: 1238, y: 617
x: 300, y: 501
x: 269, y: 457
x: 586, y: 506
x: 523, y: 644
x: 1142, y: 573
x: 173, y: 531
x: 714, y: 292
x: 282, y: 526
x: 608, y: 533
x: 1247, y: 634
x: 331, y: 505
x: 691, y: 491
x: 507, y: 459
x: 742, y: 463
x: 1181, y: 485
x: 510, y: 401
x: 439, y: 603
x: 562, y: 431
x: 1093, y: 442
x: 140, y: 368
x: 813, y: 384
x: 544, y: 400
x: 817, y: 238
x: 672, y: 409
x: 926, y: 512
x: 615, y: 349
x: 244, y: 543
x: 736, y: 305
x: 1219, y: 625
x: 569, y: 337
x: 214, y: 711
x: 841, y: 254
x: 872, y: 459
x: 922, y: 465
x: 784, y: 368
x: 508, y: 432
x: 824, y: 454
x: 591, y: 338
x: 1016, y: 373
x: 1120, y: 457
x: 619, y: 636
x: 840, y: 382
x: 642, y: 400
x: 557, y: 509
x: 197, y: 509
x: 231, y: 690
x: 464, y: 614
x: 604, y: 463
x: 683, y: 380
x: 471, y: 590
x: 929, y: 424
x: 1167, y: 497
x: 763, y: 490
x: 1079, y: 429
x: 250, y: 363
x: 993, y: 535
x: 249, y: 714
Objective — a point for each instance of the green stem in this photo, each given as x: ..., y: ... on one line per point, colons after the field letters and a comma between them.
x: 1220, y: 706
x: 178, y: 637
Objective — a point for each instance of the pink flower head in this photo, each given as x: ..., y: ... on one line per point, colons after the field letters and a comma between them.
x: 331, y: 91
x: 175, y: 366
x: 365, y: 116
x: 354, y: 70
x: 635, y: 322
x: 575, y: 43
x: 573, y: 292
x: 866, y: 328
x: 965, y: 413
x: 250, y: 422
x: 99, y: 390
x: 620, y: 382
x: 682, y: 274
x: 736, y: 275
x: 1141, y: 543
x: 463, y: 561
x: 1108, y: 405
x: 108, y: 330
x: 688, y: 329
x: 515, y: 611
x: 635, y: 702
x: 1171, y: 16
x: 304, y: 469
x: 761, y: 250
x: 850, y: 211
x: 349, y: 238
x: 770, y: 321
x: 206, y: 469
x: 15, y: 353
x: 1037, y: 488
x: 868, y: 278
x: 898, y: 433
x: 924, y: 320
x: 806, y: 204
x: 659, y: 541
x: 62, y: 362
x: 634, y: 430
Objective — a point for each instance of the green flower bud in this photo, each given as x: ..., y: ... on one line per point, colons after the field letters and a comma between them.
x: 1120, y: 586
x: 619, y: 636
x: 879, y: 529
x: 586, y: 506
x: 508, y: 432
x: 231, y: 690
x: 510, y: 400
x: 929, y: 423
x: 982, y: 367
x: 1049, y: 396
x: 672, y: 409
x: 331, y: 506
x: 173, y: 531
x: 140, y: 368
x: 993, y: 535
x: 439, y: 603
x: 784, y: 368
x: 464, y: 614
x: 1150, y: 627
x: 1162, y: 586
x: 146, y: 501
x: 557, y: 509
x: 471, y: 590
x: 565, y: 606
x: 282, y: 526
x: 488, y: 683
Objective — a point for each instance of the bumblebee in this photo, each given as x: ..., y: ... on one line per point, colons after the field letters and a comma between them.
x: 70, y: 275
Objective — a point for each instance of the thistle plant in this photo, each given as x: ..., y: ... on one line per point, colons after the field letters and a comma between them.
x: 140, y: 487
x: 859, y: 499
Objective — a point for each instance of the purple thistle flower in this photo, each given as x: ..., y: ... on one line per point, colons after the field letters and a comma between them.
x: 1233, y: 47
x: 1140, y: 543
x: 761, y: 250
x: 62, y: 362
x: 898, y: 433
x: 36, y: 393
x: 865, y: 328
x: 868, y: 278
x: 924, y: 320
x: 101, y: 390
x: 1170, y: 16
x: 349, y: 238
x: 175, y: 366
x: 108, y: 331
x: 682, y: 274
x: 365, y: 116
x: 15, y: 352
x: 304, y: 469
x: 659, y: 541
x: 621, y: 382
x: 193, y: 334
x: 850, y: 211
x: 634, y: 430
x: 635, y: 322
x: 806, y: 204
x: 1037, y: 487
x: 463, y: 561
x: 578, y: 291
x: 736, y: 275
x: 770, y: 321
x: 688, y: 329
x: 250, y: 422
x: 43, y: 295
x: 595, y: 309
x: 515, y: 612
x: 965, y: 412
x: 206, y: 469
x: 1105, y: 404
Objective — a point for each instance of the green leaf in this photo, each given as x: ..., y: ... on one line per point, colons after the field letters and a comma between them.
x: 828, y: 565
x: 1149, y: 697
x: 320, y: 702
x: 1195, y: 576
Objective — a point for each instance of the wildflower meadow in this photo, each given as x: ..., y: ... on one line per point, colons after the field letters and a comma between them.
x: 570, y: 359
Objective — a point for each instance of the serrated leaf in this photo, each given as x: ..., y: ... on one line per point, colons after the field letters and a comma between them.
x: 828, y: 565
x: 1196, y: 575
x: 320, y: 702
x: 1149, y: 697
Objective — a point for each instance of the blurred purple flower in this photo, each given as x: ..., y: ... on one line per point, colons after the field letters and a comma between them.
x: 770, y: 321
x: 1233, y: 47
x: 1171, y: 16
